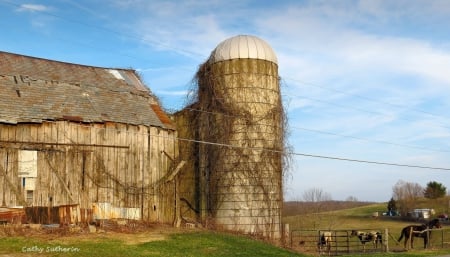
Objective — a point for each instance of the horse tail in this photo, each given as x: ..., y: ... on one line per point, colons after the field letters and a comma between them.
x: 401, y: 236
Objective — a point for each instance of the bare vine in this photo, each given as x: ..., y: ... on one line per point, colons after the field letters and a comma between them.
x: 258, y: 132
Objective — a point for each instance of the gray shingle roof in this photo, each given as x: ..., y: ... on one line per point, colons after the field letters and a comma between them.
x: 34, y: 89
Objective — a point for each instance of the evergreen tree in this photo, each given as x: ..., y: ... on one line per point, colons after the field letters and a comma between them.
x: 434, y: 190
x: 392, y: 206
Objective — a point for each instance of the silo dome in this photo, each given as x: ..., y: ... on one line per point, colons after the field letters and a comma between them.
x: 243, y: 47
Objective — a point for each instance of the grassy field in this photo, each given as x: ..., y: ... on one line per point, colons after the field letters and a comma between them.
x: 186, y: 244
x: 168, y: 241
x: 361, y: 218
x: 198, y: 244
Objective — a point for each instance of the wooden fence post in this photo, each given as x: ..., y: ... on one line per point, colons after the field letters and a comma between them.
x: 410, y: 237
x: 286, y: 235
x: 386, y: 240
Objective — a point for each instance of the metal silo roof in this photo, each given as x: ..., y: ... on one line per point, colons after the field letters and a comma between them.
x: 243, y: 46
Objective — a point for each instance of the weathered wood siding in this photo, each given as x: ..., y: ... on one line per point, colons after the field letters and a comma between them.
x: 193, y: 186
x: 83, y: 164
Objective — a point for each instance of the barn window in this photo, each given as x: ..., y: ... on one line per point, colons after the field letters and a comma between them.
x: 27, y: 164
x: 30, y: 197
x: 27, y: 168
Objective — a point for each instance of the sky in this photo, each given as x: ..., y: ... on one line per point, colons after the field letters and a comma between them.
x: 363, y: 82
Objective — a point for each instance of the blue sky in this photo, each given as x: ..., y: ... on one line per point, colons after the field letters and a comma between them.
x: 364, y: 80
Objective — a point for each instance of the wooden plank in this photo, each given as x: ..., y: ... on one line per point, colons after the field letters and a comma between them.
x: 61, y: 180
x: 12, y: 187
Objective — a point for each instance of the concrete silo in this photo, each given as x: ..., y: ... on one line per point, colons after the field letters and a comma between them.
x: 237, y: 121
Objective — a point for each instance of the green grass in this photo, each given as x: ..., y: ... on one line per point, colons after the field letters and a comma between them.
x: 213, y: 244
x: 196, y: 244
x: 204, y: 243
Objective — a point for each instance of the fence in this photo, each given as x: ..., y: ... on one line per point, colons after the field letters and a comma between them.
x: 343, y: 242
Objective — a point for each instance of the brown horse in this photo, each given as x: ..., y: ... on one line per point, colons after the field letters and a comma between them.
x: 422, y: 231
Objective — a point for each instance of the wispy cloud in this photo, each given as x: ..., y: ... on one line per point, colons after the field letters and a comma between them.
x: 32, y: 8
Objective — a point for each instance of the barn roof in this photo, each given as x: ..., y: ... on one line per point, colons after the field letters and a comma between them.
x: 36, y: 90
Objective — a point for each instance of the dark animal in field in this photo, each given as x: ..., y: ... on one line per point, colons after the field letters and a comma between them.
x: 372, y: 236
x: 423, y: 231
x: 325, y: 239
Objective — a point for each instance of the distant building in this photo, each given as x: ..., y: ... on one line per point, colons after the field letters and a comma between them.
x: 421, y: 213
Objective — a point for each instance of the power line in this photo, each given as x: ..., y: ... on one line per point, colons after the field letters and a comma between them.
x: 371, y: 162
x: 364, y: 97
x: 438, y: 124
x: 317, y: 156
x: 372, y: 140
x: 335, y: 134
x: 265, y: 149
x: 158, y: 43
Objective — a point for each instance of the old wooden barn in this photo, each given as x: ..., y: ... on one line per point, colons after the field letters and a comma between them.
x: 84, y: 142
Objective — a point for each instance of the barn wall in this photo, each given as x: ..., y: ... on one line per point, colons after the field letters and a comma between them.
x: 118, y: 164
x: 192, y: 188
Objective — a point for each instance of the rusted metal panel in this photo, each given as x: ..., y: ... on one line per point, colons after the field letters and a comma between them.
x: 12, y: 215
x: 42, y: 215
x: 63, y: 214
x: 162, y: 116
x: 104, y: 211
x: 69, y: 214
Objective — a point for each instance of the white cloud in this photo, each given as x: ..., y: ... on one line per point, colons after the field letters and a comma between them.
x: 33, y: 8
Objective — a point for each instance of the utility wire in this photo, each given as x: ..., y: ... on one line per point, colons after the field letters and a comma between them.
x: 272, y: 150
x: 364, y: 97
x: 371, y: 162
x: 336, y: 134
x: 373, y: 140
x: 317, y: 156
x: 438, y: 124
x: 189, y: 53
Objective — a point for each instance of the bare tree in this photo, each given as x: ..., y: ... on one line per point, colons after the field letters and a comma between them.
x: 351, y: 198
x: 406, y: 195
x: 316, y: 195
x: 319, y: 201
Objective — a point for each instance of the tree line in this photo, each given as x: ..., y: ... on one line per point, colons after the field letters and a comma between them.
x: 405, y: 195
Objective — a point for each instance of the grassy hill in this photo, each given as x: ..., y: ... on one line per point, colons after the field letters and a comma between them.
x: 298, y: 207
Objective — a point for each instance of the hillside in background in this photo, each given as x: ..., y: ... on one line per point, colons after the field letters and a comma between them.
x: 293, y: 208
